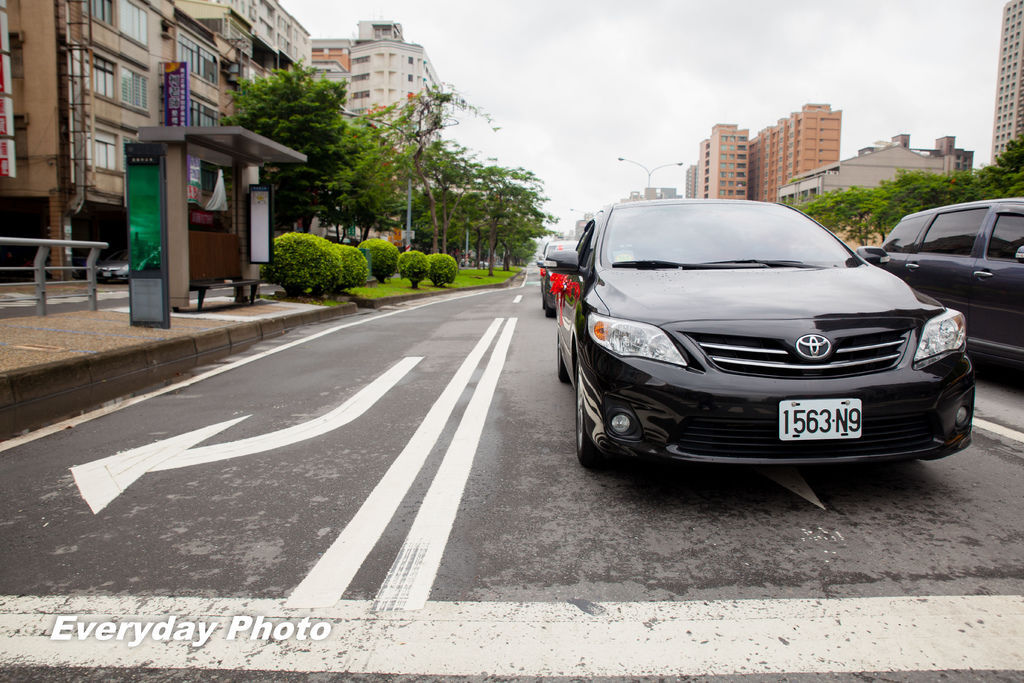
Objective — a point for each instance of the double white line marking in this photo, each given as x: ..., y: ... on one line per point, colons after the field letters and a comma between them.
x: 412, y: 575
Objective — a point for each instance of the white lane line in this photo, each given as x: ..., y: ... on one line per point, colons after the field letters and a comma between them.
x: 1000, y: 430
x: 411, y: 577
x: 100, y: 481
x: 693, y: 638
x: 333, y: 572
x: 120, y: 405
x: 517, y: 299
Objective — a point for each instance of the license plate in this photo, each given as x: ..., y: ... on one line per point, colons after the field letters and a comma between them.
x: 826, y: 418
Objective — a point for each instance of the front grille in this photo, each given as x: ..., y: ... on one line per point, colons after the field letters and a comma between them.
x: 732, y: 438
x: 853, y: 355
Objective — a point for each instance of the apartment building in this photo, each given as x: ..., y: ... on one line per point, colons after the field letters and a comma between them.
x: 274, y: 31
x: 722, y: 172
x: 383, y: 68
x: 1008, y: 115
x: 86, y: 75
x: 796, y: 145
x: 876, y: 163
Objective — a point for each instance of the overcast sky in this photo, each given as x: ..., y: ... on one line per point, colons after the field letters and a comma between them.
x: 574, y: 85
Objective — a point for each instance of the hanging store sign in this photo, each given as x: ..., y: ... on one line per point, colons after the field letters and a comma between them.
x: 6, y: 84
x: 176, y: 94
x: 195, y: 179
x: 7, y: 163
x: 6, y: 116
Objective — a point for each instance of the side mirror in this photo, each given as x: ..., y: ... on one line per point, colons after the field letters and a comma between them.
x: 876, y: 256
x: 565, y: 262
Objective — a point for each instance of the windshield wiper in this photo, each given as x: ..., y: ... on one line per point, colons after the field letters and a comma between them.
x: 764, y: 263
x: 649, y: 263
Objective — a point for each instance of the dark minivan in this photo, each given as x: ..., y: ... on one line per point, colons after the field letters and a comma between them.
x: 744, y: 332
x: 969, y: 257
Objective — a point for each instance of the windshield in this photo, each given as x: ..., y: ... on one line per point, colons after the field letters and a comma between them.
x: 747, y: 234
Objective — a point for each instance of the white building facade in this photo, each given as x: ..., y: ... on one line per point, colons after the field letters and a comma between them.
x: 383, y: 68
x: 1008, y: 117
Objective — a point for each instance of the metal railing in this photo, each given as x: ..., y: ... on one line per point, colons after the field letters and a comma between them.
x: 40, y: 269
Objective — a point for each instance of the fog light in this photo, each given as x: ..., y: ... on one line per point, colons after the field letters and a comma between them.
x: 621, y: 424
x: 963, y: 415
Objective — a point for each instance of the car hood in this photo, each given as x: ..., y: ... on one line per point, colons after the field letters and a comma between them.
x: 670, y: 296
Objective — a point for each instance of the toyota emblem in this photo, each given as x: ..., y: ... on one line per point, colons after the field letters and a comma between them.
x: 813, y: 346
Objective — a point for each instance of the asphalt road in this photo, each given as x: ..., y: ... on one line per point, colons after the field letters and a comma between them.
x: 408, y: 476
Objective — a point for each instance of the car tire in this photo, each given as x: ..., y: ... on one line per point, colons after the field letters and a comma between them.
x: 549, y: 312
x: 586, y: 450
x: 563, y: 374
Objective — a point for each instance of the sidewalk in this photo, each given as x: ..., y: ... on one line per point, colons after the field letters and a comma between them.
x: 62, y: 364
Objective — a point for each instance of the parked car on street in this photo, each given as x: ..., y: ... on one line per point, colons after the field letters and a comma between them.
x: 547, y: 299
x: 969, y: 257
x: 744, y: 332
x: 113, y: 267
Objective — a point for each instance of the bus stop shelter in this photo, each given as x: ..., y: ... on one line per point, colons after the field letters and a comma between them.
x: 230, y: 146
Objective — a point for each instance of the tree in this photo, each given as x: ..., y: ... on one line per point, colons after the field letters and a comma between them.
x: 1005, y: 178
x: 509, y: 199
x: 418, y: 124
x: 452, y: 172
x: 299, y: 110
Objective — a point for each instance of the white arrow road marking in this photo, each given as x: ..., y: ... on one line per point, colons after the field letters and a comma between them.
x: 518, y: 298
x: 412, y: 575
x: 330, y: 577
x: 557, y: 639
x: 101, y: 481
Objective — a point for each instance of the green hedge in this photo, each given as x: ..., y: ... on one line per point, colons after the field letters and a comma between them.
x: 303, y: 264
x: 412, y: 265
x: 383, y: 257
x: 442, y: 269
x: 354, y: 269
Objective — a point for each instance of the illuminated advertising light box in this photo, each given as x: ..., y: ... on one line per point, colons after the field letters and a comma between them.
x: 261, y: 223
x: 147, y: 235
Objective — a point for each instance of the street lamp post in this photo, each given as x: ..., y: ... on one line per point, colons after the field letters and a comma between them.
x: 650, y: 170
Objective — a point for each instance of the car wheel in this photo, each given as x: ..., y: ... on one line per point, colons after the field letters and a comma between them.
x: 586, y: 451
x: 549, y: 311
x: 563, y: 374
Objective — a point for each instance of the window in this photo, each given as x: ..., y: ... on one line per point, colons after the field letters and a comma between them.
x: 410, y: 60
x: 103, y: 77
x: 410, y: 78
x: 202, y: 115
x: 1007, y: 237
x: 361, y: 60
x: 904, y: 235
x: 106, y: 151
x: 361, y: 95
x: 133, y: 22
x: 201, y: 61
x: 133, y: 89
x: 953, y: 233
x: 361, y: 77
x: 103, y: 10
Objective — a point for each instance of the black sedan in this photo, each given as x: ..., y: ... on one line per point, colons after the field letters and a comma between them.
x: 743, y: 332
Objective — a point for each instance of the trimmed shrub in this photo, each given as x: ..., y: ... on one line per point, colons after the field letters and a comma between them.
x: 412, y: 265
x: 442, y: 269
x: 383, y: 257
x: 354, y: 269
x: 303, y: 264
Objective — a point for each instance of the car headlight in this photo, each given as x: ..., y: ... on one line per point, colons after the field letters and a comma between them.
x: 942, y: 334
x: 629, y: 338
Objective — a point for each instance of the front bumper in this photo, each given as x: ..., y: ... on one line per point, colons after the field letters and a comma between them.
x: 709, y: 415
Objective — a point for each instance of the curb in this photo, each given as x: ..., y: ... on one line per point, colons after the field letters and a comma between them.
x: 402, y: 298
x: 42, y: 394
